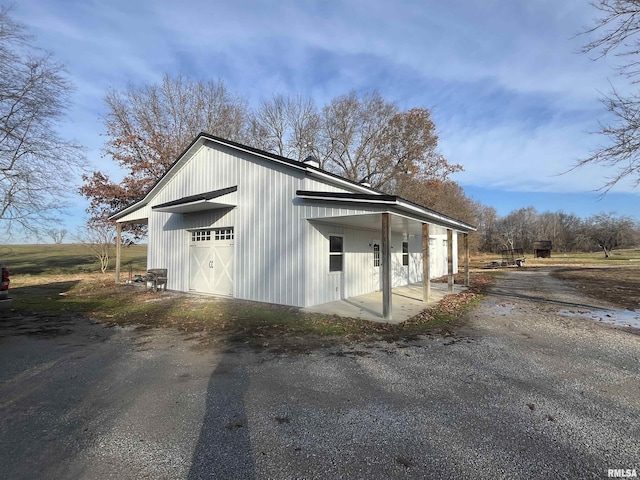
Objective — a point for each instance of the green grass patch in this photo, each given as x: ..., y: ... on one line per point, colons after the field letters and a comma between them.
x: 99, y: 298
x: 65, y: 259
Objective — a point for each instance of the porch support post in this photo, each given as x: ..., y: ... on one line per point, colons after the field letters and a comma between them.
x: 467, y: 275
x: 450, y: 258
x: 118, y: 250
x: 386, y: 266
x: 426, y: 280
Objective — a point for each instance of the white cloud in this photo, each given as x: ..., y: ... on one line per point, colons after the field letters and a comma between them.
x: 527, y: 160
x: 513, y: 99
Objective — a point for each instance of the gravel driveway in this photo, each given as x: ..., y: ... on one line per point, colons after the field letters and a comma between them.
x: 519, y: 391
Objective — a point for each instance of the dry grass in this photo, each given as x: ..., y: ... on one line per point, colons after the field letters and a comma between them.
x: 615, y: 280
x: 619, y: 285
x: 619, y: 257
x: 97, y: 296
x: 58, y: 292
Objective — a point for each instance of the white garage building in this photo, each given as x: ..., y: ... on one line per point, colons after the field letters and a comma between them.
x: 228, y: 219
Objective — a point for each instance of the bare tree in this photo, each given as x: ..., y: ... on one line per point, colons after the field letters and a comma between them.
x: 487, y: 224
x: 561, y: 228
x: 57, y: 235
x: 618, y: 34
x: 361, y: 137
x: 269, y: 126
x: 286, y: 126
x: 516, y: 229
x: 100, y: 239
x: 34, y: 160
x: 354, y: 131
x: 305, y: 123
x: 608, y: 231
x: 148, y: 127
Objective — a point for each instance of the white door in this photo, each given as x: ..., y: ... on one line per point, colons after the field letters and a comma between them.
x: 376, y: 262
x: 434, y: 257
x: 445, y: 252
x: 211, y: 261
x: 200, y: 268
x: 222, y: 265
x: 336, y: 267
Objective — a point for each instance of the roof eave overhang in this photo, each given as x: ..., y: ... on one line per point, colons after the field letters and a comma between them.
x: 123, y: 213
x: 390, y: 204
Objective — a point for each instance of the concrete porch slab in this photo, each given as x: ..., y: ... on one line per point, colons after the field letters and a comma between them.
x: 406, y: 303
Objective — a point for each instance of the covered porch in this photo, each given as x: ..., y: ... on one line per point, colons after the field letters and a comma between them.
x: 407, y: 302
x: 387, y: 214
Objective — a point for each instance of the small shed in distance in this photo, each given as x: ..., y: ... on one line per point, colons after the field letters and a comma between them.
x: 542, y: 249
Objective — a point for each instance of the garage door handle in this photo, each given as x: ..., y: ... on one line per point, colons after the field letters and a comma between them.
x: 211, y: 264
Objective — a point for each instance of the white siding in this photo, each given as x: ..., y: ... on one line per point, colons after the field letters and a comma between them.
x: 205, y: 171
x: 267, y: 250
x: 170, y: 248
x: 313, y: 184
x: 279, y: 256
x: 269, y: 237
x: 359, y: 275
x: 136, y: 216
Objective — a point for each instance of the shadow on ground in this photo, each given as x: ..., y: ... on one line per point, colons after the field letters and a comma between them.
x: 223, y: 449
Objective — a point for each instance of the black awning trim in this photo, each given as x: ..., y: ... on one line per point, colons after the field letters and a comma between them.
x: 348, y: 196
x: 198, y: 197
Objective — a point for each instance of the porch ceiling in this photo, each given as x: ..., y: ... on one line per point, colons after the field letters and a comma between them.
x: 373, y: 222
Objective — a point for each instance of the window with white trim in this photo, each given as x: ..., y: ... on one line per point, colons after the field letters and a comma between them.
x: 336, y: 253
x: 405, y: 253
x: 376, y: 254
x: 223, y: 233
x: 201, y: 235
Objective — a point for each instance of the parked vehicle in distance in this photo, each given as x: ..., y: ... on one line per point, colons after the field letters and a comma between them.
x: 5, y: 299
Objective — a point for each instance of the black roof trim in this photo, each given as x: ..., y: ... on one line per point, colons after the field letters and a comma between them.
x: 366, y: 197
x: 198, y: 197
x: 279, y: 158
x: 302, y: 165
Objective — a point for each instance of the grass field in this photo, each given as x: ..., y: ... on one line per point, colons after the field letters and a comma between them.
x: 615, y: 279
x: 619, y: 257
x: 65, y: 258
x: 54, y: 281
x: 57, y: 281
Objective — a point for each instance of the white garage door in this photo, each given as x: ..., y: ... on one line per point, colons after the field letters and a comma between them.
x: 211, y: 261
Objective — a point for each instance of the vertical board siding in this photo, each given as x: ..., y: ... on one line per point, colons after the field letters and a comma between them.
x: 206, y: 170
x: 267, y: 235
x: 279, y: 256
x: 313, y: 185
x: 359, y: 275
x: 269, y: 240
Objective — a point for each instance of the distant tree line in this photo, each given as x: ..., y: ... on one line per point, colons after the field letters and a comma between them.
x: 567, y: 232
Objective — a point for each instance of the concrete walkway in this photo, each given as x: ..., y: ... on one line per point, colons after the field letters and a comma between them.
x: 406, y: 303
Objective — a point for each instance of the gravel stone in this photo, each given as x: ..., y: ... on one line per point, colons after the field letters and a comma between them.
x: 518, y: 391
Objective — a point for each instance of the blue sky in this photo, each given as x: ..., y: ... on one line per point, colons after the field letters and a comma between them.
x: 512, y: 100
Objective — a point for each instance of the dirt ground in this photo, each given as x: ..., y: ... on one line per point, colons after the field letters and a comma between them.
x: 521, y: 389
x: 617, y: 285
x: 51, y: 304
